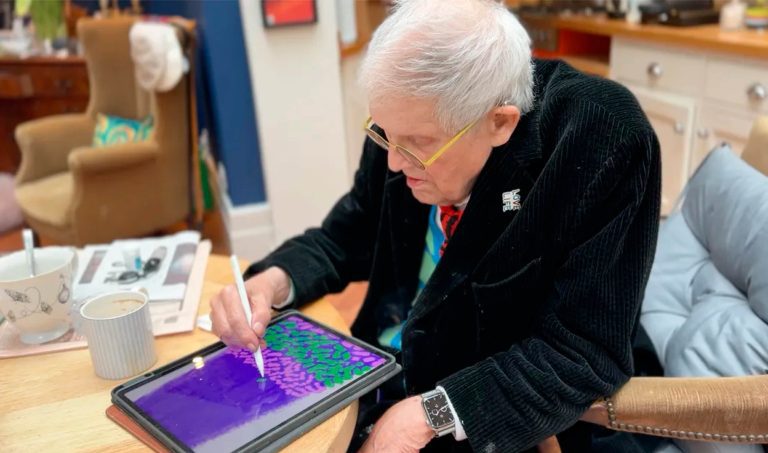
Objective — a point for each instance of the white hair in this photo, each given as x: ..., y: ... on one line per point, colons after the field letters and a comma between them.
x: 468, y: 56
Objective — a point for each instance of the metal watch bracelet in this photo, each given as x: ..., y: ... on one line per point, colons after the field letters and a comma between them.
x: 432, y: 412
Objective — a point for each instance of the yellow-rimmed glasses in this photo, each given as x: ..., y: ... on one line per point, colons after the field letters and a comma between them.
x: 410, y: 156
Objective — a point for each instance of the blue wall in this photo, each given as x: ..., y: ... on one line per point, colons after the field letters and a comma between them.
x: 225, y: 97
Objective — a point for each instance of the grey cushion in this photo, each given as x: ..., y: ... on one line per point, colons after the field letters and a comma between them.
x: 707, y: 297
x: 727, y: 210
x: 668, y: 301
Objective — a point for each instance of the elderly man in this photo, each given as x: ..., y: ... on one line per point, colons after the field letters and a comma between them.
x: 505, y: 217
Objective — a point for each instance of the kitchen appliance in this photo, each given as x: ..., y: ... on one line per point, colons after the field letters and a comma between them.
x: 679, y: 12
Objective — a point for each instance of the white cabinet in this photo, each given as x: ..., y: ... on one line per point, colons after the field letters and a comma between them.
x: 657, y: 67
x: 694, y: 101
x: 672, y: 117
x: 716, y: 124
x: 738, y: 82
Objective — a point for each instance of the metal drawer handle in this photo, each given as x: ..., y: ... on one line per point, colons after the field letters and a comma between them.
x: 64, y: 84
x: 757, y: 92
x: 679, y: 127
x: 703, y: 133
x: 655, y: 70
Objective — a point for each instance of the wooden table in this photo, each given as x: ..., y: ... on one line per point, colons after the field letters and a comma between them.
x: 55, y: 402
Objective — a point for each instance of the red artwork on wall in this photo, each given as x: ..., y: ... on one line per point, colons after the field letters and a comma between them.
x: 278, y: 13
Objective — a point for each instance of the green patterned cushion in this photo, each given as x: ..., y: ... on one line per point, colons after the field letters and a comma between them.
x: 113, y: 130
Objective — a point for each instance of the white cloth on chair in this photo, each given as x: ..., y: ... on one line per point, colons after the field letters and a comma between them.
x: 157, y: 56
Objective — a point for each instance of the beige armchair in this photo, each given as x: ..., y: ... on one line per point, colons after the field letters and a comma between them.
x: 724, y: 409
x: 75, y: 194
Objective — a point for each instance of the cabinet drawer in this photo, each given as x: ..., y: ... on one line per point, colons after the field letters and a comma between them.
x: 15, y: 86
x: 652, y: 66
x: 740, y: 83
x: 60, y: 81
x: 51, y: 80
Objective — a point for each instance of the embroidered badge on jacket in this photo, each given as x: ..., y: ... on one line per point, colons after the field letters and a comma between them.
x: 511, y: 200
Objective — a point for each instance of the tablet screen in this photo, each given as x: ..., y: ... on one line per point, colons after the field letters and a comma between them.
x: 219, y: 402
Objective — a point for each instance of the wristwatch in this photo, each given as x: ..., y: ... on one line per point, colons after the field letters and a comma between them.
x: 438, y: 412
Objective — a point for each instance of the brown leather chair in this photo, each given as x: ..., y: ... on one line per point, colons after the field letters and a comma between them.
x: 721, y: 409
x: 73, y: 193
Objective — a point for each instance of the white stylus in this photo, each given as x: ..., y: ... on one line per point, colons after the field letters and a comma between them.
x: 247, y: 309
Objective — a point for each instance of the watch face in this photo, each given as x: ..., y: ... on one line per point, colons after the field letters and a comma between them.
x: 438, y: 410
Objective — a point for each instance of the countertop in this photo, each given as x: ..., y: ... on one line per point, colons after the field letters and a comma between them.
x: 746, y: 42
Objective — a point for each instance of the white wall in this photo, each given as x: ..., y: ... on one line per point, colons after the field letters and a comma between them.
x: 355, y: 110
x: 296, y: 82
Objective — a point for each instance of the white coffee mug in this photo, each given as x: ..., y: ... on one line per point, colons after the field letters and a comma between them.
x: 38, y: 306
x: 118, y: 328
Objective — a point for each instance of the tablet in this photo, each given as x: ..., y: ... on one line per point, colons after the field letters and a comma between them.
x: 214, y: 400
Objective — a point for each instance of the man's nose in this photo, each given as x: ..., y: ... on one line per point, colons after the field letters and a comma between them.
x: 396, y: 161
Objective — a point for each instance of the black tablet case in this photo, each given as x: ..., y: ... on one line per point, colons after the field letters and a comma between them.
x: 123, y: 417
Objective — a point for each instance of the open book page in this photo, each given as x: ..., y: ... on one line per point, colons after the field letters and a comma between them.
x: 159, y: 265
x: 180, y: 316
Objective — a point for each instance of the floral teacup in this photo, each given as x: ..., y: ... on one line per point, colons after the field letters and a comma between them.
x: 39, y: 307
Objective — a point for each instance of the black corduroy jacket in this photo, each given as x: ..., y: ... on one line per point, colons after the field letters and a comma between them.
x: 529, y: 315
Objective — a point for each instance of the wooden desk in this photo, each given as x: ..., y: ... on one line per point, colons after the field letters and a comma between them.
x: 55, y: 402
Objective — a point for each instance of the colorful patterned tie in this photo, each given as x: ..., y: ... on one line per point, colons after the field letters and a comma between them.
x: 449, y: 220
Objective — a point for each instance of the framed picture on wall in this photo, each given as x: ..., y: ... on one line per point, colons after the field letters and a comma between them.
x: 280, y: 13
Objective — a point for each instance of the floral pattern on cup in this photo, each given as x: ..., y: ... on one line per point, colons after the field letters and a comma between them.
x: 65, y: 292
x: 40, y: 306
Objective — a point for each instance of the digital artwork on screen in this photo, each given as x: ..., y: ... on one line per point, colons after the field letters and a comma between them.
x: 222, y: 402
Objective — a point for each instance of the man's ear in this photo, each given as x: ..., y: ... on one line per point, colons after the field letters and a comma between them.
x: 503, y: 120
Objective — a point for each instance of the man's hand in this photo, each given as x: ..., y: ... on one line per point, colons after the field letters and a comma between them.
x: 402, y: 429
x: 264, y: 290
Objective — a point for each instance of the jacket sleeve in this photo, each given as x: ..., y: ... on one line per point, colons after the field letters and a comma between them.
x: 324, y: 260
x: 582, y: 348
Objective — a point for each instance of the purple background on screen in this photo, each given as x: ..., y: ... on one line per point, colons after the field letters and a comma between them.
x: 202, y: 404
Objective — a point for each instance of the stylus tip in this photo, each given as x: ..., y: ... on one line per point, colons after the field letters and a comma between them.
x: 257, y: 357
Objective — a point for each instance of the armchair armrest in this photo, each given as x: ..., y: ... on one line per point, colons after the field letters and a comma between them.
x: 88, y: 160
x: 722, y: 409
x: 45, y: 143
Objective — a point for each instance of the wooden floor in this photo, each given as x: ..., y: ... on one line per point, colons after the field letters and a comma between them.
x: 348, y: 302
